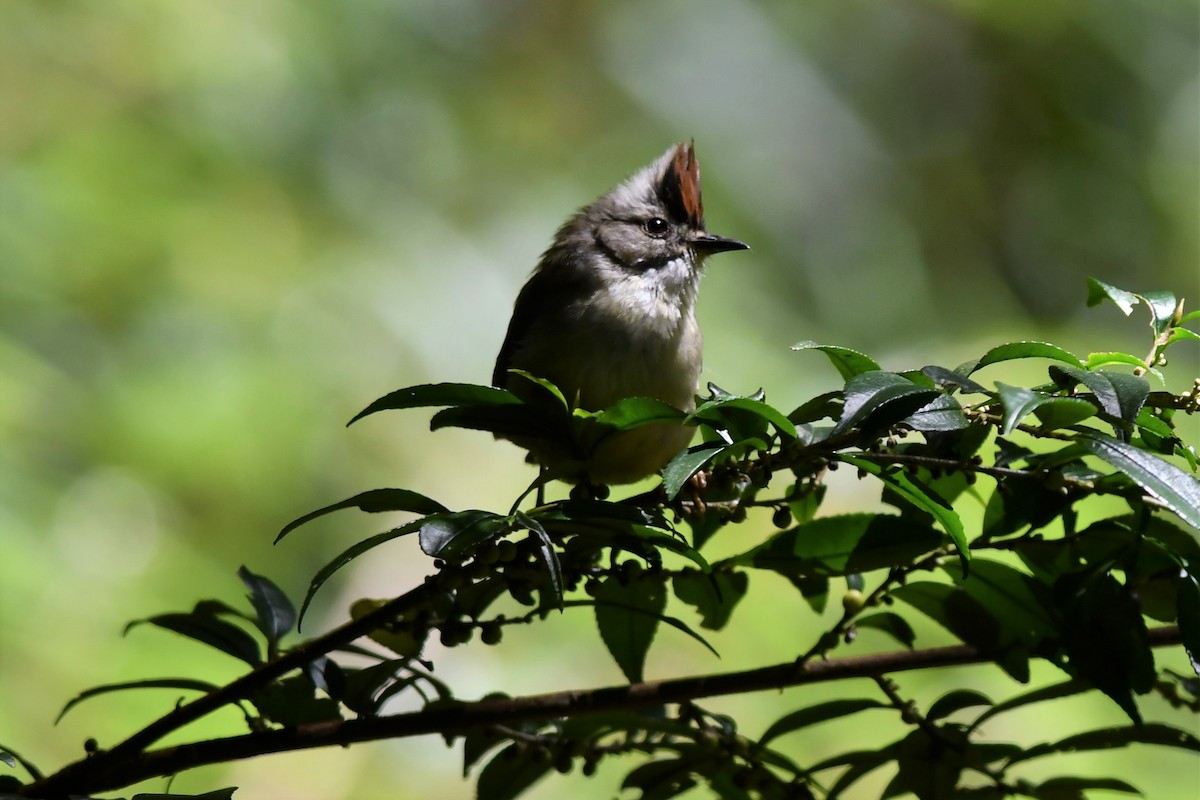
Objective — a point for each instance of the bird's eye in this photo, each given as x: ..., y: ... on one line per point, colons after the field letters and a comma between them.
x: 656, y: 227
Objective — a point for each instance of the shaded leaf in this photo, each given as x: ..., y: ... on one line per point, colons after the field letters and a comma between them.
x: 372, y: 502
x: 186, y: 684
x: 848, y: 362
x: 1018, y: 403
x: 714, y: 595
x: 683, y: 466
x: 454, y: 535
x: 633, y: 412
x: 510, y: 772
x: 1154, y: 733
x: 813, y: 715
x: 293, y: 701
x: 1071, y: 788
x: 1063, y: 412
x: 948, y: 377
x: 628, y: 618
x: 216, y: 794
x: 439, y: 394
x: 956, y: 700
x: 844, y: 544
x: 1188, y: 609
x: 878, y: 399
x: 890, y: 623
x: 548, y: 555
x: 1120, y: 395
x: 210, y: 630
x: 1040, y: 695
x: 274, y: 611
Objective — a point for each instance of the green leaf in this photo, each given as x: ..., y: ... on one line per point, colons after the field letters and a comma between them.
x: 208, y: 629
x: 628, y: 618
x: 943, y: 413
x: 215, y: 794
x: 1177, y: 490
x: 714, y: 595
x: 1095, y: 360
x: 523, y: 421
x: 890, y: 623
x: 716, y: 412
x: 1120, y: 395
x: 833, y: 709
x: 510, y: 772
x: 1063, y: 412
x: 1112, y: 738
x: 1018, y: 403
x: 633, y: 412
x: 351, y: 553
x: 848, y: 362
x: 683, y: 466
x: 921, y: 497
x: 1188, y: 609
x: 372, y: 502
x: 293, y: 701
x: 949, y: 377
x: 548, y: 555
x: 1016, y: 350
x: 454, y: 535
x: 1099, y: 291
x: 878, y: 399
x: 956, y: 700
x: 439, y: 394
x: 186, y: 684
x: 1163, y: 306
x: 274, y: 611
x: 840, y: 545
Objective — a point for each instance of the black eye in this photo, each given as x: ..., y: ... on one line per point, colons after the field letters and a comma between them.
x: 656, y: 227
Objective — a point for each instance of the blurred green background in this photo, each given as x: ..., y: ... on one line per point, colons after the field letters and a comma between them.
x: 226, y: 227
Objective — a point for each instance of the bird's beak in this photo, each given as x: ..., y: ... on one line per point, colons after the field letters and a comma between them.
x: 707, y: 243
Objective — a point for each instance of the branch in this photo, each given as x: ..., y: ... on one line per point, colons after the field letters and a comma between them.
x: 460, y: 717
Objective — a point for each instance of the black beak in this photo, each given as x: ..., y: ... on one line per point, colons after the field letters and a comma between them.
x: 707, y: 243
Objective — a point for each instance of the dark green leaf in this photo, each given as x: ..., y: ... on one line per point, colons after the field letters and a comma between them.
x: 633, y: 412
x: 510, y: 772
x: 210, y: 630
x: 716, y: 411
x: 948, y: 377
x: 275, y: 613
x: 523, y: 421
x: 628, y: 618
x: 878, y: 399
x: 921, y: 497
x: 714, y: 595
x: 1120, y: 395
x: 1063, y: 412
x: 374, y: 501
x: 351, y: 553
x: 1015, y: 350
x: 890, y: 623
x: 159, y: 683
x: 956, y: 700
x: 1176, y: 489
x: 1099, y: 291
x: 848, y: 362
x: 548, y: 555
x: 812, y: 715
x: 943, y: 413
x: 1018, y: 403
x: 216, y: 794
x: 293, y: 701
x: 843, y: 544
x: 1111, y: 738
x: 662, y: 778
x: 683, y: 466
x: 1163, y: 306
x: 439, y: 394
x: 454, y: 535
x: 1188, y: 609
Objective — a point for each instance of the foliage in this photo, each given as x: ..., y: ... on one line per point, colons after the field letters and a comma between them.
x: 1086, y: 542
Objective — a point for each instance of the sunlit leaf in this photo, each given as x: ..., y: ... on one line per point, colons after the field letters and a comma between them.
x: 1099, y: 291
x: 1176, y: 489
x: 1017, y: 350
x: 439, y: 394
x: 878, y: 399
x: 1018, y: 403
x: 848, y: 362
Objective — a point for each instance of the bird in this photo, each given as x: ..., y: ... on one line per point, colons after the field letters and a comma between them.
x: 609, y: 312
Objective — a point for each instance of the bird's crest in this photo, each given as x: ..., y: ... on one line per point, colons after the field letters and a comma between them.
x: 681, y: 187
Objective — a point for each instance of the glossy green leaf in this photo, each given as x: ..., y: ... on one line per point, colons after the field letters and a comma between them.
x: 1099, y: 291
x: 948, y: 377
x: 208, y: 629
x: 628, y: 618
x: 186, y: 684
x: 633, y: 412
x: 1018, y: 403
x: 1177, y: 490
x: 274, y: 612
x: 839, y: 545
x: 374, y: 501
x: 1096, y: 360
x: 683, y: 466
x: 847, y: 362
x: 921, y: 497
x: 890, y: 623
x: 1120, y: 395
x: 716, y: 411
x: 1163, y: 306
x: 454, y: 535
x: 813, y: 715
x: 941, y: 414
x: 439, y: 394
x: 1017, y: 350
x: 878, y: 399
